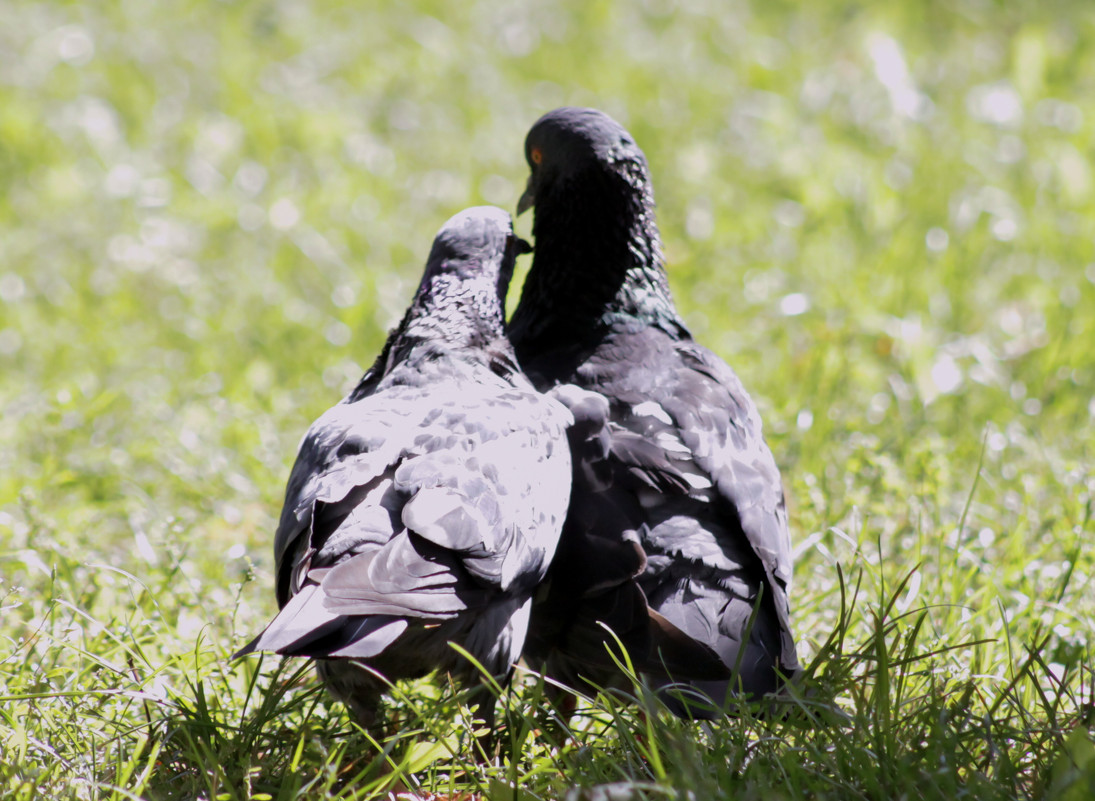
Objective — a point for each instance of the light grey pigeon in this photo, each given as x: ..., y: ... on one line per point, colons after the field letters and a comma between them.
x: 426, y: 506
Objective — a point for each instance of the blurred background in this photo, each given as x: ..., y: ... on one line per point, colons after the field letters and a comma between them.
x: 882, y: 215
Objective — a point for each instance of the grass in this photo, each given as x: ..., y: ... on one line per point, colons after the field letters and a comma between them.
x: 884, y: 218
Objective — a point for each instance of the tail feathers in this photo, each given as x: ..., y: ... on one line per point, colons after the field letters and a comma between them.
x: 368, y: 636
x: 676, y: 654
x: 656, y: 646
x: 301, y: 621
x: 306, y: 627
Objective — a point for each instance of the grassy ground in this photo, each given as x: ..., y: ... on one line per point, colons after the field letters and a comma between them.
x: 884, y: 219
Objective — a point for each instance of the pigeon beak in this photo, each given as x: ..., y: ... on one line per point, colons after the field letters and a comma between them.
x: 528, y: 199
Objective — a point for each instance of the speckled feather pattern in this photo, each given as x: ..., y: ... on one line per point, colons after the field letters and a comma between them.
x: 680, y: 465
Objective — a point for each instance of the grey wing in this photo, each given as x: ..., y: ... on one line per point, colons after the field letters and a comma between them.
x: 497, y: 489
x: 318, y: 452
x: 594, y: 582
x: 341, y: 508
x: 400, y: 505
x: 719, y: 428
x: 339, y: 468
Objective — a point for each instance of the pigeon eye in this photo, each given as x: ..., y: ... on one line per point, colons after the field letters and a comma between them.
x: 536, y: 155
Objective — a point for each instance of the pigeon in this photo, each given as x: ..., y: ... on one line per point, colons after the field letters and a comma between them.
x: 424, y: 508
x: 677, y: 527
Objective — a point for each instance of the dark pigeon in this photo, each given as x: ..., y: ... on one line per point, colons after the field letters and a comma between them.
x: 426, y: 506
x: 674, y: 486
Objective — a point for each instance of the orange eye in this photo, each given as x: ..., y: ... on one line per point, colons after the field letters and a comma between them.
x: 536, y: 155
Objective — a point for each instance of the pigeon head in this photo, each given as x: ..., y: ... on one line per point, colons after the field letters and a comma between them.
x: 598, y: 259
x: 473, y: 243
x: 576, y: 144
x: 461, y: 299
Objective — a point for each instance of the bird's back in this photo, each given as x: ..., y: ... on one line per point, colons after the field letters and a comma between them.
x: 685, y: 472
